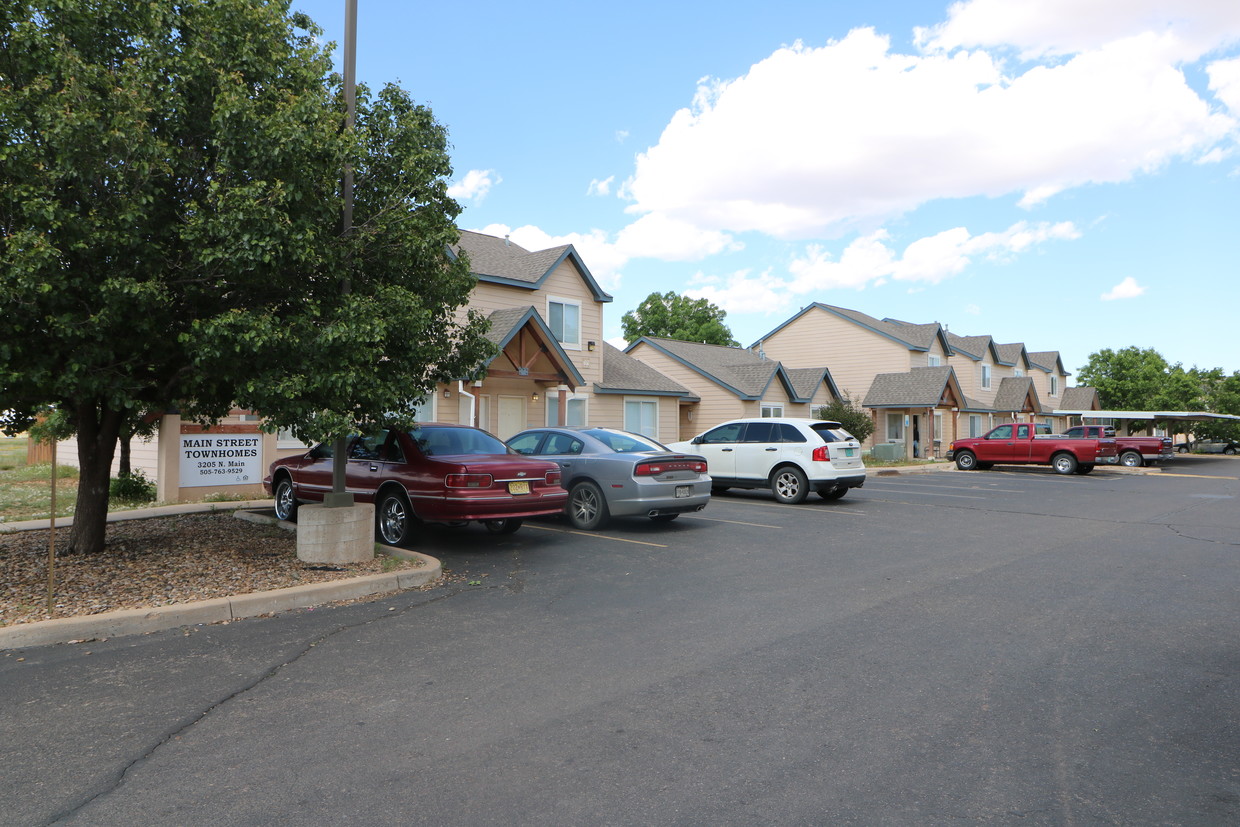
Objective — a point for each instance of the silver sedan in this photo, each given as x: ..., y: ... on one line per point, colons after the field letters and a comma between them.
x: 612, y: 473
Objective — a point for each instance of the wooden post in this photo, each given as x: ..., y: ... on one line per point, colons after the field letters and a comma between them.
x: 51, y: 542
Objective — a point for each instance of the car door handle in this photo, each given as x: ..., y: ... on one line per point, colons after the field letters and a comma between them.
x: 374, y: 466
x: 727, y: 450
x: 772, y: 449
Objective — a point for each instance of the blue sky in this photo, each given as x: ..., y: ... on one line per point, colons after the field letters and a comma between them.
x: 1062, y: 173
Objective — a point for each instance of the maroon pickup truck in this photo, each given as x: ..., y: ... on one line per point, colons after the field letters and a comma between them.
x: 1030, y: 443
x: 1134, y: 451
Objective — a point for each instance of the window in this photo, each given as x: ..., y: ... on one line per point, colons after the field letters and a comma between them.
x: 932, y: 360
x: 772, y: 410
x: 562, y: 444
x: 1022, y: 431
x: 526, y: 443
x: 641, y: 416
x: 985, y: 376
x: 724, y: 433
x: 761, y: 432
x: 424, y: 411
x: 1054, y: 386
x: 285, y: 438
x: 975, y: 425
x: 1018, y: 371
x: 1002, y: 432
x: 564, y: 318
x: 895, y: 427
x: 574, y: 411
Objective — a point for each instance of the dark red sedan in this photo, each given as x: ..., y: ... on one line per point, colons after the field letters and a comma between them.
x: 433, y: 473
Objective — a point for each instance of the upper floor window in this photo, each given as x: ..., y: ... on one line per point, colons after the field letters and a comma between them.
x: 564, y: 318
x: 1054, y: 386
x: 1018, y: 371
x: 985, y: 376
x: 932, y: 360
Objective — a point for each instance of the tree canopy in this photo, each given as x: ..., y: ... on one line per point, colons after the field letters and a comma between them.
x: 673, y: 316
x: 171, y: 219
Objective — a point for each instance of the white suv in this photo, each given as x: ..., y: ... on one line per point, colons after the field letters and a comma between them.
x: 789, y: 456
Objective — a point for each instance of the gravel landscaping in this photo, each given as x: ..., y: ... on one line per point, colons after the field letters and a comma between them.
x: 159, y: 562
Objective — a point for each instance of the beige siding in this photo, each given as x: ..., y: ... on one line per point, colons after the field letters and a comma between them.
x: 717, y: 405
x: 967, y: 374
x: 853, y: 354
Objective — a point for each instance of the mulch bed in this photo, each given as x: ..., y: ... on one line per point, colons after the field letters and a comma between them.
x: 159, y: 562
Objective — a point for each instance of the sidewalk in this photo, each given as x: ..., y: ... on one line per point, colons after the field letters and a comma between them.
x: 159, y: 618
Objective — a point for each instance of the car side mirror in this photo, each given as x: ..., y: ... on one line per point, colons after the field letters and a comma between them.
x: 697, y: 440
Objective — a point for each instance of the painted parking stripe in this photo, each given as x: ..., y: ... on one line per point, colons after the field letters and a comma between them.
x: 1198, y: 476
x: 903, y: 485
x: 595, y: 535
x: 735, y: 522
x: 818, y: 509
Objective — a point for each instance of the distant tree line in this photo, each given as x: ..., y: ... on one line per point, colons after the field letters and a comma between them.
x: 1140, y: 379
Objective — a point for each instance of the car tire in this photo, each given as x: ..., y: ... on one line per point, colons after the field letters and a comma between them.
x: 587, y: 510
x: 1183, y: 449
x: 1229, y: 451
x: 829, y: 494
x: 789, y: 485
x: 966, y: 461
x: 393, y: 518
x: 1131, y: 459
x: 664, y: 518
x: 1064, y: 464
x: 505, y: 526
x: 286, y: 500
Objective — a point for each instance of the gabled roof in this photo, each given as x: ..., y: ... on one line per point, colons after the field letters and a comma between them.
x: 1012, y: 354
x: 1048, y: 360
x: 739, y: 371
x: 624, y: 374
x: 917, y: 388
x: 1016, y: 393
x: 1082, y: 398
x: 974, y: 347
x: 508, y: 323
x: 499, y: 261
x: 913, y: 336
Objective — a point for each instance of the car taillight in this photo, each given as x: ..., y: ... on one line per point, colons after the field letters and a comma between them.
x: 468, y: 481
x: 700, y: 467
x: 653, y: 469
x: 821, y: 454
x: 553, y: 478
x: 647, y: 469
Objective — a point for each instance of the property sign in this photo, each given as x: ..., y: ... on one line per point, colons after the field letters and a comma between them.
x: 220, y: 459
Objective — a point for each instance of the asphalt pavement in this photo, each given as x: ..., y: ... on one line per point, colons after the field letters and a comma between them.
x: 1000, y: 646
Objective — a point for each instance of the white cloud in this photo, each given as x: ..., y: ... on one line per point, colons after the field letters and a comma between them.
x: 667, y: 239
x: 602, y: 187
x: 475, y: 185
x: 1188, y: 28
x: 870, y: 261
x: 622, y: 135
x: 1126, y: 289
x: 1225, y: 82
x: 822, y: 140
x: 973, y: 310
x: 602, y: 256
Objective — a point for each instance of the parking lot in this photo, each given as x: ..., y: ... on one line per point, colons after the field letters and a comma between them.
x: 987, y: 646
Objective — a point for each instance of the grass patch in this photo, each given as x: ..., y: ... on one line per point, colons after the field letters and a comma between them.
x: 26, y: 492
x: 12, y: 452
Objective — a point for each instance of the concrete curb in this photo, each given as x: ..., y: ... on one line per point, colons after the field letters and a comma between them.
x: 143, y: 514
x: 159, y: 618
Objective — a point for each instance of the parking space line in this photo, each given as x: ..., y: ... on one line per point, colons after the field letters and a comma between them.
x: 952, y: 487
x: 735, y: 522
x: 594, y: 534
x: 1198, y: 476
x: 815, y: 508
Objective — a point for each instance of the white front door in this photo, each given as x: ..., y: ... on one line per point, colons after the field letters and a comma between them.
x: 511, y: 415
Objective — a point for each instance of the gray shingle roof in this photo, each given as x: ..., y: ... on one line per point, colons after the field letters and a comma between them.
x: 916, y: 388
x: 503, y: 322
x: 623, y: 373
x: 917, y: 336
x: 492, y: 258
x: 1010, y: 354
x: 806, y: 381
x: 971, y: 346
x: 1014, y: 394
x: 736, y: 367
x: 1047, y: 360
x: 1081, y: 398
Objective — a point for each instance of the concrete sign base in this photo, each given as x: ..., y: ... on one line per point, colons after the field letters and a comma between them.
x: 336, y: 535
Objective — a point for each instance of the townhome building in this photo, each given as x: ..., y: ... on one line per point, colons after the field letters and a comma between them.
x: 731, y: 383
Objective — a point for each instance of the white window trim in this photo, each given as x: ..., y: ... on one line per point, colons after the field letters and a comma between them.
x: 553, y: 398
x: 776, y: 409
x: 987, y: 377
x: 580, y: 319
x: 933, y: 360
x: 1054, y: 390
x: 624, y: 413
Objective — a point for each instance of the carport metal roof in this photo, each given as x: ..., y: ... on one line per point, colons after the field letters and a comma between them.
x: 1146, y: 416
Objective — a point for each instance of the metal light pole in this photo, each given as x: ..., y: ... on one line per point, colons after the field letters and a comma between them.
x: 339, y: 496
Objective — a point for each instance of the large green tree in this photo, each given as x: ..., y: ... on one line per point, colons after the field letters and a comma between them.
x: 171, y: 220
x: 1131, y: 378
x: 673, y: 316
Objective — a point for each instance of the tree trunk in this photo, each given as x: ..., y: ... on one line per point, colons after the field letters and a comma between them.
x: 97, y: 431
x: 123, y: 466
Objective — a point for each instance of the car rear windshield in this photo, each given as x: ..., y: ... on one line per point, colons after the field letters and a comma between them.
x: 832, y: 432
x: 623, y: 443
x: 444, y: 442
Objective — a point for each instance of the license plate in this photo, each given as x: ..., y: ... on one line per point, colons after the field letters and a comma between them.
x: 683, y: 491
x: 519, y: 487
x: 850, y: 452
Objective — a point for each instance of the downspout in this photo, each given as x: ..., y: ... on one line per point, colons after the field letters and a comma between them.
x: 473, y: 402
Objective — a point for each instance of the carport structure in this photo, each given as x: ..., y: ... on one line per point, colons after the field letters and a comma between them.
x: 1150, y: 417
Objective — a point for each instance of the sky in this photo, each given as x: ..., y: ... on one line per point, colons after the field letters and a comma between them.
x: 1062, y: 173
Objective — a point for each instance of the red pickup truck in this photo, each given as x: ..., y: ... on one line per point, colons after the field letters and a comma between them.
x: 1030, y: 443
x: 1134, y: 451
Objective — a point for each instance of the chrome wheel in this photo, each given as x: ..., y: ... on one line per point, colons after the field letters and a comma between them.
x: 286, y: 500
x: 392, y: 519
x: 789, y: 485
x: 1130, y: 459
x: 1064, y: 464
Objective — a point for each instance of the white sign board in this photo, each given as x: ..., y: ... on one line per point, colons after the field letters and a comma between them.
x: 220, y: 459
